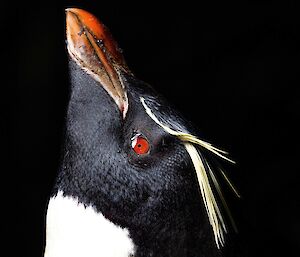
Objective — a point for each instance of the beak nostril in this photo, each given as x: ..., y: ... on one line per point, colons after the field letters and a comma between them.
x: 80, y: 32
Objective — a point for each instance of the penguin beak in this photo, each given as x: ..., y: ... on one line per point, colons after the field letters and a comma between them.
x: 92, y: 47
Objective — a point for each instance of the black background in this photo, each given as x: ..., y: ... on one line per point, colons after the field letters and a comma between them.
x: 231, y: 67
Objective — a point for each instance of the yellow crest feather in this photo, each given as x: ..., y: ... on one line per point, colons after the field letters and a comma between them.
x: 203, y: 170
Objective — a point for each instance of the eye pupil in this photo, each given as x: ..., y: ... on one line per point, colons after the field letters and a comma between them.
x: 140, y: 145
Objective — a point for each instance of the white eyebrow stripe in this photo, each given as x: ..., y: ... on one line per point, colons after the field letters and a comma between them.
x: 153, y: 117
x: 185, y: 136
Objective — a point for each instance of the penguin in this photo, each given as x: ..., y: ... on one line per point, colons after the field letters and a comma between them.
x: 135, y: 178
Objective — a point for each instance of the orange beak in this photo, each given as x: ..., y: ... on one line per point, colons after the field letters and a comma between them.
x: 92, y: 47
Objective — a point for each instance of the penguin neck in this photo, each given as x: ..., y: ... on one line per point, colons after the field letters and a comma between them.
x: 156, y: 227
x: 149, y: 230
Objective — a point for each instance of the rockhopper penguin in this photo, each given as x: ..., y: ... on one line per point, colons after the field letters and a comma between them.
x: 134, y: 178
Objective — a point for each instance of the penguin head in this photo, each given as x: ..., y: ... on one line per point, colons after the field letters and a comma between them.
x: 127, y: 152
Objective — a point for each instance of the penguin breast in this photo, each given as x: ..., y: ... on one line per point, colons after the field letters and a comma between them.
x: 76, y: 230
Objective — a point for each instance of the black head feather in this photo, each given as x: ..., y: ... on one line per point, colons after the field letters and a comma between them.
x: 156, y: 195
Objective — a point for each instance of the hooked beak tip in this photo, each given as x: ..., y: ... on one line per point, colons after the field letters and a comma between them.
x: 87, y: 19
x: 79, y: 22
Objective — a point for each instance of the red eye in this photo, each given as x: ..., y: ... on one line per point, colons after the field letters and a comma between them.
x: 140, y: 145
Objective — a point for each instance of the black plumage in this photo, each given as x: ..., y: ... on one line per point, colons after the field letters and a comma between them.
x: 155, y: 196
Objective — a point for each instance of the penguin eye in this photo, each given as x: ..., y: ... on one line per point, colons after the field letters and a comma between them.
x: 140, y: 144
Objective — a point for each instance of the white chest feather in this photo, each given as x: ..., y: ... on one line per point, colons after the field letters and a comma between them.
x: 76, y: 231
